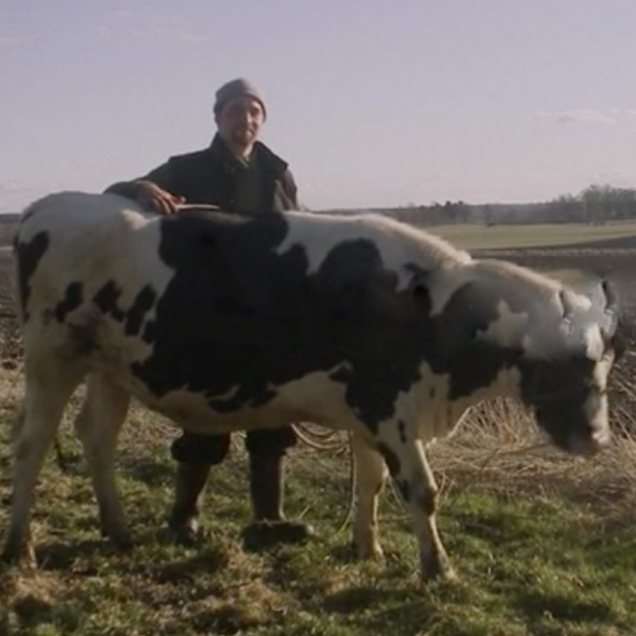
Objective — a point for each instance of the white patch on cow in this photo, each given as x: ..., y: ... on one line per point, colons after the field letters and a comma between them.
x: 594, y: 344
x: 508, y: 329
x: 427, y: 411
x: 398, y: 244
x: 596, y: 410
x: 597, y: 415
x: 425, y: 417
x: 317, y: 397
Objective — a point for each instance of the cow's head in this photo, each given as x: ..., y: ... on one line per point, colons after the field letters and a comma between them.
x: 564, y: 369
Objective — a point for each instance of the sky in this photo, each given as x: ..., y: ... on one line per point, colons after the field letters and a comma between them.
x: 374, y: 103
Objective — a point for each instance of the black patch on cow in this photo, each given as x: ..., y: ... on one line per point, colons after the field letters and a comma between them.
x: 150, y: 332
x: 106, y: 299
x: 402, y: 431
x: 432, y: 392
x: 472, y: 362
x: 28, y: 256
x: 560, y: 389
x: 391, y: 459
x: 72, y: 300
x: 144, y: 301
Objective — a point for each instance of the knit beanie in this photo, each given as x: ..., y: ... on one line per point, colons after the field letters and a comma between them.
x: 237, y: 88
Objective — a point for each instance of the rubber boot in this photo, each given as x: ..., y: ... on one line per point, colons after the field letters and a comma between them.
x: 182, y: 523
x: 267, y: 486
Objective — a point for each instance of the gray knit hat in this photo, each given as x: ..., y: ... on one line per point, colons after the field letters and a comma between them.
x: 237, y: 88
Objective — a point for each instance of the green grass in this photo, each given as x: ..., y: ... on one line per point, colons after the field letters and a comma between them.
x: 502, y: 236
x: 533, y: 560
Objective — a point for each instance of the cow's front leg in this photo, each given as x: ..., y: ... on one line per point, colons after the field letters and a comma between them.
x: 370, y: 472
x: 413, y: 476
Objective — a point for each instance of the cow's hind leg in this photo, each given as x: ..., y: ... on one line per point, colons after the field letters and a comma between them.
x: 97, y: 425
x: 47, y: 390
x: 370, y: 477
x: 414, y: 479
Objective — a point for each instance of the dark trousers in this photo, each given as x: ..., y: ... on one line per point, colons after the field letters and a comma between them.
x: 194, y: 448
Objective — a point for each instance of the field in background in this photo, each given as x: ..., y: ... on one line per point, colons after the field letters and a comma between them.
x: 514, y: 236
x: 545, y: 545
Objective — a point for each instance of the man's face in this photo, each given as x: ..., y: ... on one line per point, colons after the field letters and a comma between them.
x: 240, y: 120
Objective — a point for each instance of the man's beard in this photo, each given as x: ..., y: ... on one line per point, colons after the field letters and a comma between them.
x: 243, y: 137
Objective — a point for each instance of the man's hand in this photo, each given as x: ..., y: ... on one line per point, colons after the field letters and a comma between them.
x: 153, y: 198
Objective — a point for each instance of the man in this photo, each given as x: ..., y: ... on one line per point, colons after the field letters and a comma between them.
x: 239, y: 174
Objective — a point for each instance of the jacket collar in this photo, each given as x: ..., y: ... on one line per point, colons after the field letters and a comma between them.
x: 270, y: 161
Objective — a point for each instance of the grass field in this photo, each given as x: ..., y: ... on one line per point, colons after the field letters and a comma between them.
x: 501, y: 236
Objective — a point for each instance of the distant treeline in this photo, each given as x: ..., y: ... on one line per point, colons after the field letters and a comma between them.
x: 597, y: 204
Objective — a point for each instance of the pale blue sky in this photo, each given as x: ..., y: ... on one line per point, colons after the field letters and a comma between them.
x: 373, y: 103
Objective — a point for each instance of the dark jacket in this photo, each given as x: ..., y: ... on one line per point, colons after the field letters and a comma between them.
x: 210, y: 176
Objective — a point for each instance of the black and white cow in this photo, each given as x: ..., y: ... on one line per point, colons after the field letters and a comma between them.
x: 223, y: 322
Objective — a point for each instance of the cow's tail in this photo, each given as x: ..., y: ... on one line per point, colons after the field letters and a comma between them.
x: 22, y: 259
x: 19, y: 299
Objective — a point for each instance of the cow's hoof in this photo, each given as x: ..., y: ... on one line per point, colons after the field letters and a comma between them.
x: 372, y: 552
x: 440, y: 572
x: 263, y: 534
x: 123, y: 541
x: 449, y: 575
x: 120, y: 538
x: 187, y: 535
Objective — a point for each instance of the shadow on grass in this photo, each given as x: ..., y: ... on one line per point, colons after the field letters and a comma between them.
x: 536, y: 605
x: 33, y: 612
x: 64, y: 557
x: 86, y: 557
x: 344, y: 554
x: 406, y: 611
x: 150, y: 472
x: 207, y: 562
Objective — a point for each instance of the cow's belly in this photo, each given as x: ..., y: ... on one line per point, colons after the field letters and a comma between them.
x: 314, y: 397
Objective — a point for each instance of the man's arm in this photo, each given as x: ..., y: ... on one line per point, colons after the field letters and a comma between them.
x: 291, y: 190
x: 152, y: 192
